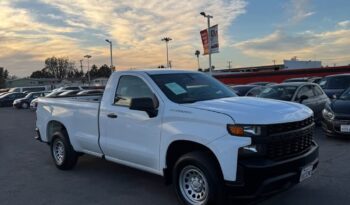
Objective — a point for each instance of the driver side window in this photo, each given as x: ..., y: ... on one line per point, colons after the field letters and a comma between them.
x: 307, y: 91
x: 131, y: 87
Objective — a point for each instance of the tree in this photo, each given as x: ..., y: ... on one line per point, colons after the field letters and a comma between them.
x: 104, y: 71
x: 197, y: 53
x: 4, y: 74
x: 59, y: 68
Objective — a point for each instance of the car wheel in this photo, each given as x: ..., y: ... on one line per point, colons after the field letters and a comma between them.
x: 63, y: 154
x: 197, y: 180
x: 25, y: 105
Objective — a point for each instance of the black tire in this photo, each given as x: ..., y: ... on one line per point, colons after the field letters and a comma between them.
x: 25, y: 105
x: 212, y: 176
x: 63, y: 154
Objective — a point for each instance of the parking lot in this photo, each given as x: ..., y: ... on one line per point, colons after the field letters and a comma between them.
x: 28, y: 175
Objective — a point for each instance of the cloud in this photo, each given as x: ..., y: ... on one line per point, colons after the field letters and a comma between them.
x: 135, y: 27
x: 331, y: 46
x: 344, y: 23
x: 298, y: 10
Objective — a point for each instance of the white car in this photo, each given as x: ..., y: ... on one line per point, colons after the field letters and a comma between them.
x: 188, y: 128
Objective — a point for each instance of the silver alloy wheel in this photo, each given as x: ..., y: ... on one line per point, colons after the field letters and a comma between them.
x: 193, y: 185
x: 58, y: 151
x: 25, y: 105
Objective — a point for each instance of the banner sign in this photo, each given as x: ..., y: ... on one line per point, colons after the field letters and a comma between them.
x: 214, y: 40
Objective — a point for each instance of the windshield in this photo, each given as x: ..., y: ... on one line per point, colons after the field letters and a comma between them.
x: 191, y: 87
x: 278, y: 92
x: 345, y: 95
x: 337, y: 82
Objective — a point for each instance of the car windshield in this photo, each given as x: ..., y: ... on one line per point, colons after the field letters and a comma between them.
x: 337, y: 82
x: 278, y: 92
x: 191, y: 87
x: 345, y: 95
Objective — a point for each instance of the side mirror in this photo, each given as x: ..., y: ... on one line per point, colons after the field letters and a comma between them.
x: 334, y: 97
x: 302, y: 98
x: 144, y: 104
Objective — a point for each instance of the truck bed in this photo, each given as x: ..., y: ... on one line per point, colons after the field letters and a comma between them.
x: 80, y: 117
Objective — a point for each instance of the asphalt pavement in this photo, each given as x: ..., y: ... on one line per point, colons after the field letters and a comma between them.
x: 28, y: 175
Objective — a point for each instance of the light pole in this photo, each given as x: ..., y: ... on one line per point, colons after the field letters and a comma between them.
x: 110, y: 48
x: 209, y: 36
x: 229, y: 64
x: 167, y: 39
x: 88, y: 71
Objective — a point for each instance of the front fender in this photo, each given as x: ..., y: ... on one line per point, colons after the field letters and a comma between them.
x: 226, y: 151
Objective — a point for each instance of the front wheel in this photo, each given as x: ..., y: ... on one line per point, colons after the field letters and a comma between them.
x: 197, y: 180
x: 25, y: 105
x: 63, y: 154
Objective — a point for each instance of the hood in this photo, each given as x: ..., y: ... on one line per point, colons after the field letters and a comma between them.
x: 341, y: 107
x: 250, y: 110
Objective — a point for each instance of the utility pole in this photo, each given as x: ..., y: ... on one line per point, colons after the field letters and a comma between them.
x: 88, y: 70
x: 209, y: 36
x: 110, y: 48
x: 229, y: 64
x: 167, y: 39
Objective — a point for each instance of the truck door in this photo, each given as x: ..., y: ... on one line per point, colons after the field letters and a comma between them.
x: 130, y: 136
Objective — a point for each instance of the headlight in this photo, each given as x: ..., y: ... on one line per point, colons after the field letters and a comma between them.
x: 328, y: 114
x: 244, y: 130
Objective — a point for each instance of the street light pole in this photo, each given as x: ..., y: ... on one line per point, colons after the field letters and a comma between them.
x: 88, y: 58
x: 110, y: 48
x: 167, y: 39
x: 209, y: 36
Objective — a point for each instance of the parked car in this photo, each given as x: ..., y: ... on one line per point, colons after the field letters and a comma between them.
x: 188, y: 128
x: 334, y: 85
x: 336, y: 116
x: 66, y: 88
x: 4, y: 90
x: 91, y: 92
x: 31, y: 89
x: 243, y: 90
x: 3, y: 93
x: 55, y: 93
x: 304, y: 79
x: 309, y: 94
x: 262, y: 83
x: 7, y: 99
x: 25, y: 102
x: 34, y: 104
x: 69, y: 93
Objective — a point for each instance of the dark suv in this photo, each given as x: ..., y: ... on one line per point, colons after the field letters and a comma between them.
x: 334, y: 85
x: 7, y: 99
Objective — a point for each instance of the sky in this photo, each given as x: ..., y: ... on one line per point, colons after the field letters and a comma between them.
x: 251, y: 32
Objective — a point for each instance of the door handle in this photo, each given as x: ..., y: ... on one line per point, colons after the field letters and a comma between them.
x: 112, y: 115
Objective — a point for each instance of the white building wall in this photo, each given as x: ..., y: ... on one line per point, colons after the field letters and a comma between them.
x: 296, y: 64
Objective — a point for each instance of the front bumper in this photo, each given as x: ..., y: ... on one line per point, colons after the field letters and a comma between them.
x: 260, y: 177
x: 38, y: 135
x: 16, y: 105
x: 332, y: 128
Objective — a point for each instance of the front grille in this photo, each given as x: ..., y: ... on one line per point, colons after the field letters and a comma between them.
x: 289, y: 144
x: 286, y: 127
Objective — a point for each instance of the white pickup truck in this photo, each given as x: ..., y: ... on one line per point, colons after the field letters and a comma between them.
x: 187, y: 127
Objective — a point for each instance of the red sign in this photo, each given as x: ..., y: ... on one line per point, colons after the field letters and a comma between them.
x: 214, y: 40
x: 205, y: 41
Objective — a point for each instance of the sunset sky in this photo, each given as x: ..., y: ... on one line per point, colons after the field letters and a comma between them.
x: 252, y: 32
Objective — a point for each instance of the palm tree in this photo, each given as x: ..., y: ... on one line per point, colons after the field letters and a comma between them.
x: 197, y: 53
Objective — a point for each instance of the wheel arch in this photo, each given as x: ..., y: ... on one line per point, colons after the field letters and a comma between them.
x: 180, y: 147
x: 55, y: 126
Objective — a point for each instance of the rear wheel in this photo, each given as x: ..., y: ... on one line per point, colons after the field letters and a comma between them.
x: 63, y: 154
x: 197, y: 180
